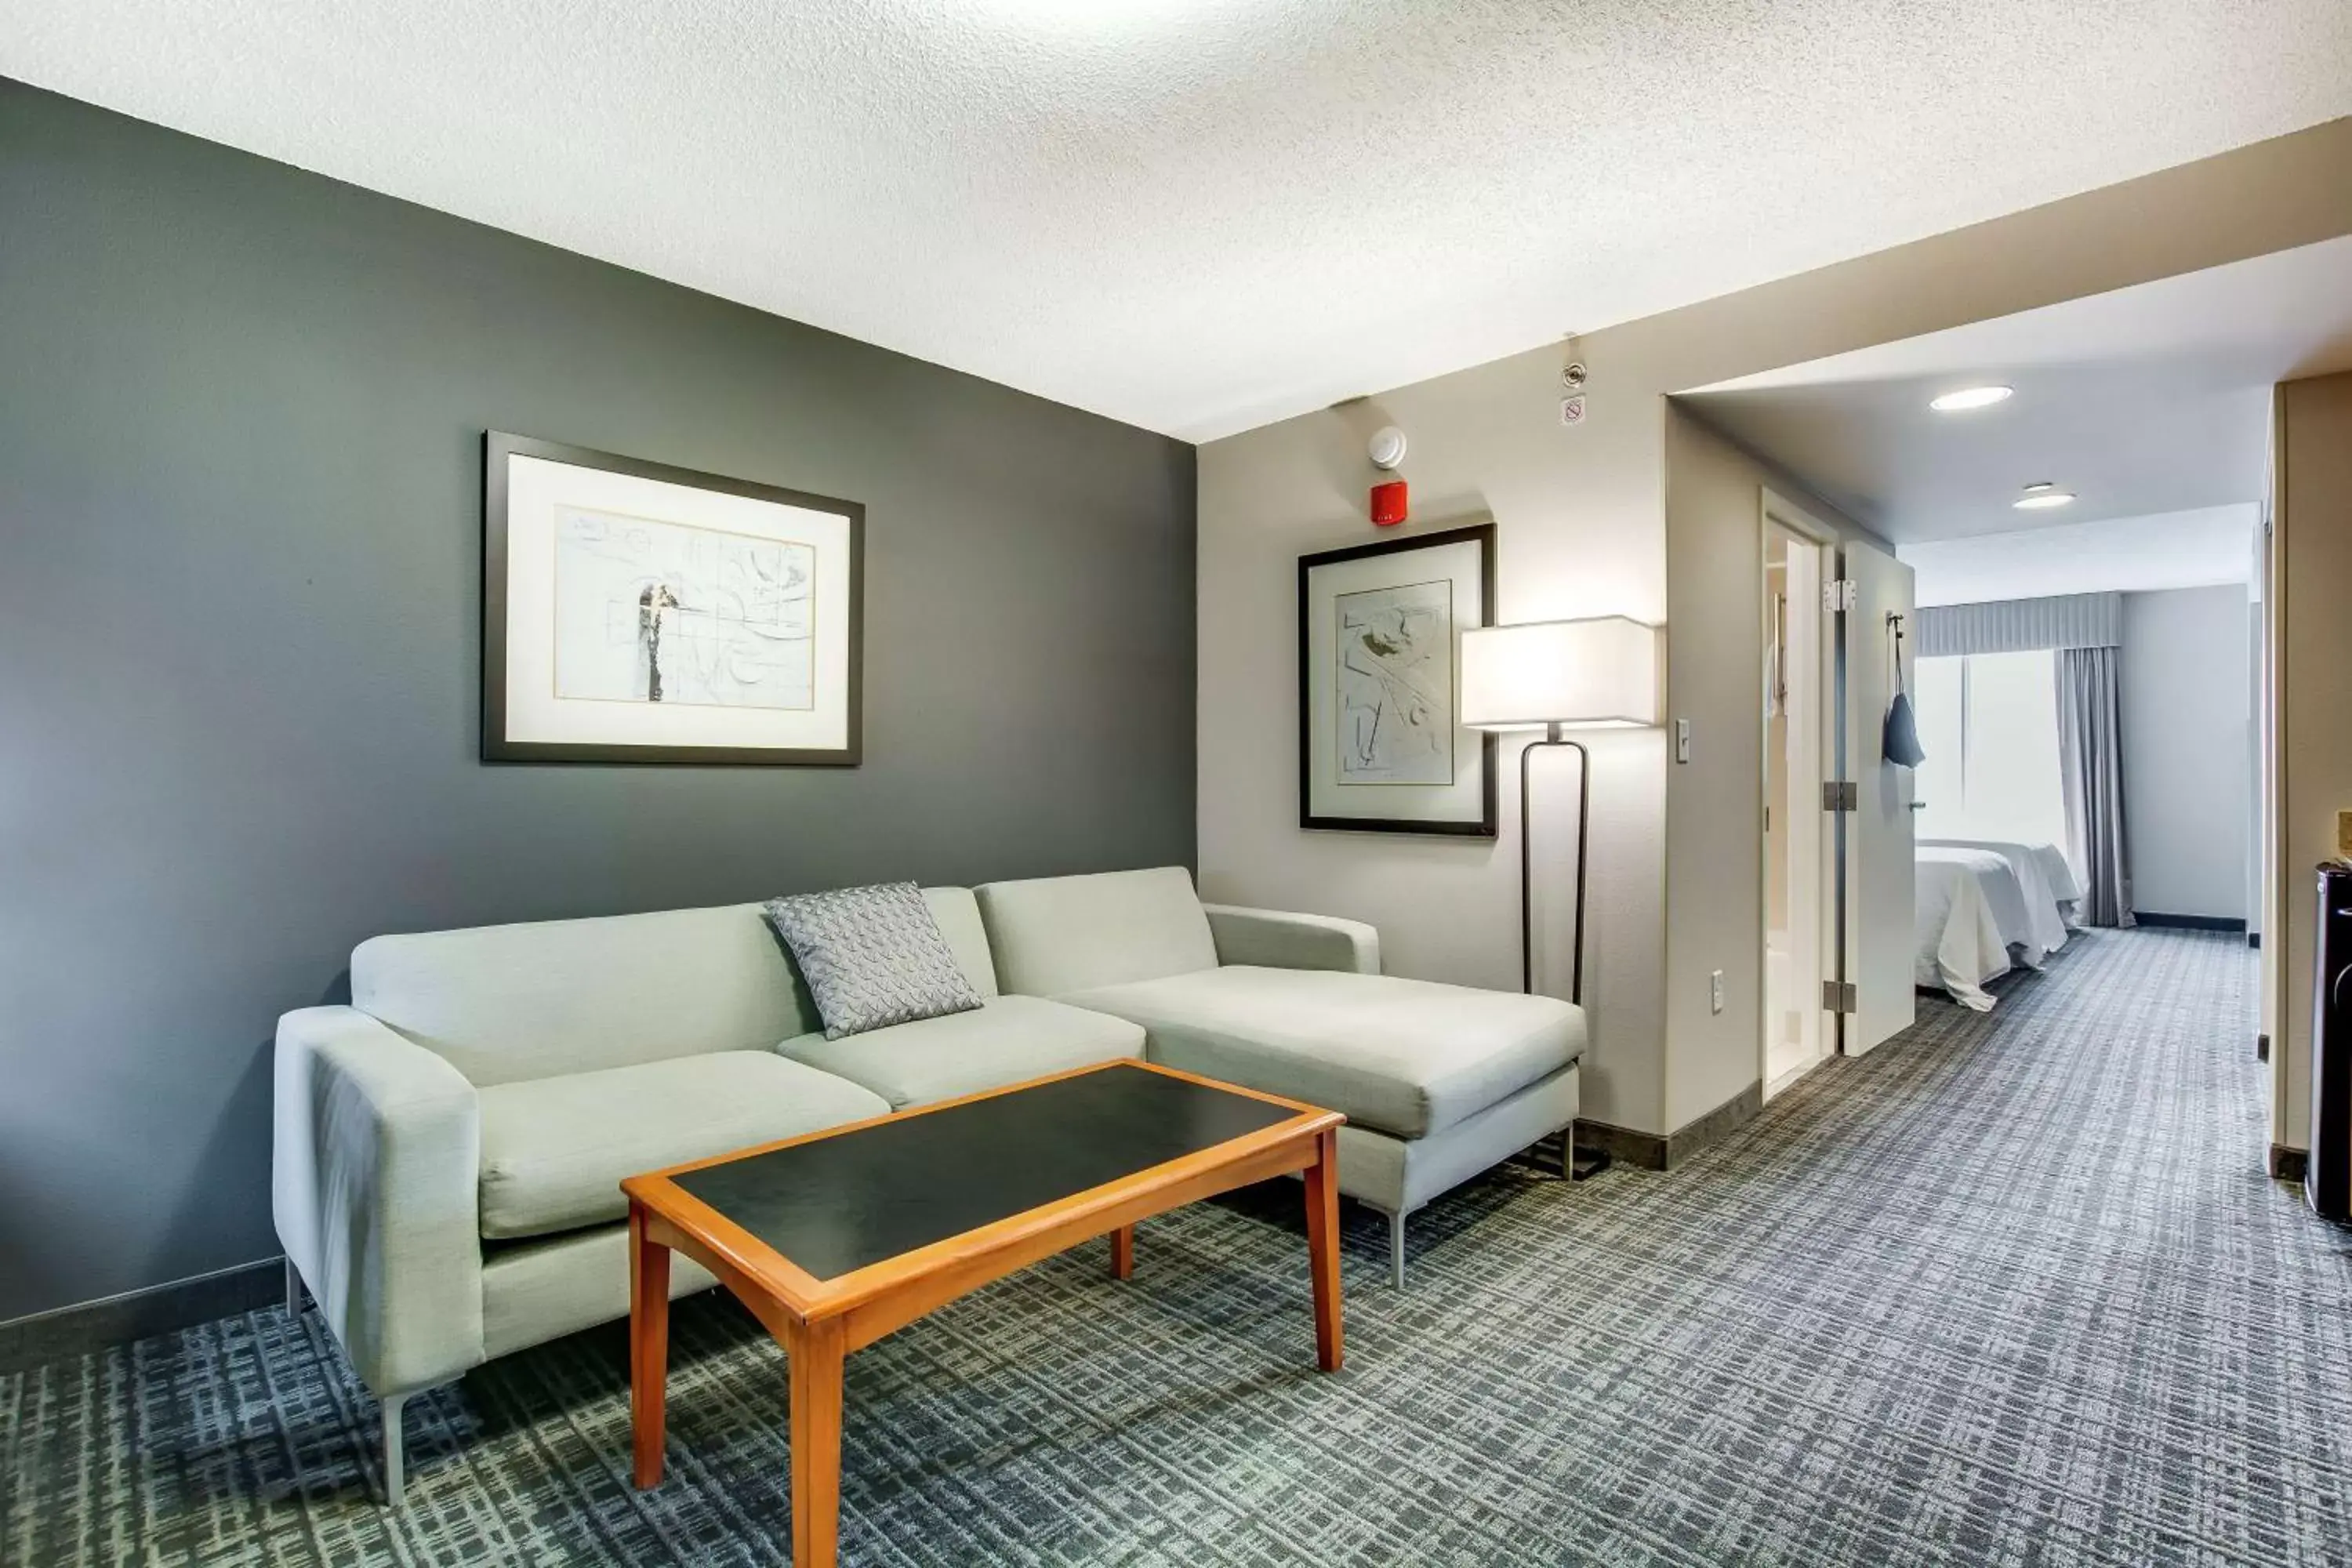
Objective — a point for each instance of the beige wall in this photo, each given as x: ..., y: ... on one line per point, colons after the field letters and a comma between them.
x: 1574, y: 539
x: 2312, y: 567
x: 1581, y: 517
x: 1715, y: 832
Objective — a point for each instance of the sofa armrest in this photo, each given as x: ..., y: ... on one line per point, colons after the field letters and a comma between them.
x: 1272, y: 940
x: 376, y: 1185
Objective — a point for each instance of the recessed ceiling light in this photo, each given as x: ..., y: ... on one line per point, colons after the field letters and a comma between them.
x: 1970, y: 397
x: 2040, y: 496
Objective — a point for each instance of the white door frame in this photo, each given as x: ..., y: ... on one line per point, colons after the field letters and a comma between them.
x: 1774, y: 510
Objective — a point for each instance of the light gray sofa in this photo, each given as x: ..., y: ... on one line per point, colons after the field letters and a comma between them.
x: 449, y: 1147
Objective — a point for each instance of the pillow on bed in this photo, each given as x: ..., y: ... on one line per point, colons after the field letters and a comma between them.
x: 872, y: 957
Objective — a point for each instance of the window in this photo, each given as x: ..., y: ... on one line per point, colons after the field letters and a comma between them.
x: 1988, y: 724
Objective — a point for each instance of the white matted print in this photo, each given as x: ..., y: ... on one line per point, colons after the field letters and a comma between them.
x: 1381, y: 746
x: 638, y: 613
x: 647, y: 611
x: 1394, y: 666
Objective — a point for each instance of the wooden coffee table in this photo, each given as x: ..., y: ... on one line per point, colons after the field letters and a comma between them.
x: 834, y: 1239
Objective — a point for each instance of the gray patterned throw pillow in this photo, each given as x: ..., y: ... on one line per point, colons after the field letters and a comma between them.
x: 872, y: 957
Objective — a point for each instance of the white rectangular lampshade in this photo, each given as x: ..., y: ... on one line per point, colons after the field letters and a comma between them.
x: 1596, y: 674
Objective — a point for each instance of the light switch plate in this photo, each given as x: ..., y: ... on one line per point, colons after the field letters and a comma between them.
x: 1681, y: 739
x: 1714, y: 991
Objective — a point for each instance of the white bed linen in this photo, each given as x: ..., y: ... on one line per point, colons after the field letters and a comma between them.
x: 2061, y: 872
x: 2005, y: 892
x: 1960, y: 945
x: 2044, y: 878
x: 2064, y: 887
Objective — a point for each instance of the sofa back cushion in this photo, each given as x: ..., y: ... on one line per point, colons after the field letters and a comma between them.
x: 509, y: 1004
x: 1057, y: 934
x: 958, y: 913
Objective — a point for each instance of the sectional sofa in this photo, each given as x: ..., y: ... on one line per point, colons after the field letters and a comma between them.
x: 449, y: 1147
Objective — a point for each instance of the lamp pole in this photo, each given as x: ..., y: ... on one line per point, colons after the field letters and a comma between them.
x: 1555, y: 737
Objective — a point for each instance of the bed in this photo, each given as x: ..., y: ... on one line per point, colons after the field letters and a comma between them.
x: 1960, y: 945
x: 1983, y: 907
x: 2046, y: 876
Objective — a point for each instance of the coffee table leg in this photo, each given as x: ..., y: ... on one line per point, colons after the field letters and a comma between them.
x: 648, y: 1346
x: 1323, y: 1246
x: 1122, y: 1253
x: 815, y: 1351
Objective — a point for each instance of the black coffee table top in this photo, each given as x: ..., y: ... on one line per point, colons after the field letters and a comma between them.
x: 838, y: 1204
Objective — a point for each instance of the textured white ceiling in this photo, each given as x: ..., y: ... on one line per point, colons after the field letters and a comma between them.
x: 2148, y: 400
x: 1199, y: 216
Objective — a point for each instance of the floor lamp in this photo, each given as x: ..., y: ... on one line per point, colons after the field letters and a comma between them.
x: 1557, y: 676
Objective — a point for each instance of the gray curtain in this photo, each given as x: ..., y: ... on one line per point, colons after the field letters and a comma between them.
x: 2090, y: 763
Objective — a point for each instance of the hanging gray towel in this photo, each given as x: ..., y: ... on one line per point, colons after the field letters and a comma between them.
x: 1900, y: 743
x: 1902, y: 740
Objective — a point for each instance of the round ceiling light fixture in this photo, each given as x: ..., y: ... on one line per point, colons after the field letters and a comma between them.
x: 1969, y: 397
x: 2041, y: 496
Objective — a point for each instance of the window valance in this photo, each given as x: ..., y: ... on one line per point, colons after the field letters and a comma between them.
x: 2019, y: 626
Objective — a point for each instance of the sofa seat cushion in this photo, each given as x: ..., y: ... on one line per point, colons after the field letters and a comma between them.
x: 554, y: 1149
x: 1403, y: 1057
x: 1007, y: 1039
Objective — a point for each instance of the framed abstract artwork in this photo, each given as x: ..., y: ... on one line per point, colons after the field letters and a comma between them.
x: 1381, y: 747
x: 638, y: 613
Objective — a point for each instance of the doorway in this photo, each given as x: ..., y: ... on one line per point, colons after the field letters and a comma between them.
x: 1799, y: 869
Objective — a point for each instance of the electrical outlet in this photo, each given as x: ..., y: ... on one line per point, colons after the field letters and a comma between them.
x: 1715, y: 992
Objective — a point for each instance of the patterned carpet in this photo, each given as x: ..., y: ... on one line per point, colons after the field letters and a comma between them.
x: 2012, y: 1289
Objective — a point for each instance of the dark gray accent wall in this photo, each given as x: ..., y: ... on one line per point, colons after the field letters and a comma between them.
x: 241, y: 410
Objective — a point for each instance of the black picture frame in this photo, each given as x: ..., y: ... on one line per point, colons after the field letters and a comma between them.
x: 497, y: 447
x: 1485, y: 825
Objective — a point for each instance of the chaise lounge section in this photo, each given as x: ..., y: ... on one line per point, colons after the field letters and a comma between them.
x: 1438, y: 1082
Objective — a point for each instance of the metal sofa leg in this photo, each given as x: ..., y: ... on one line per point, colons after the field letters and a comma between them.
x: 293, y: 1289
x: 1396, y: 1251
x: 394, y: 1477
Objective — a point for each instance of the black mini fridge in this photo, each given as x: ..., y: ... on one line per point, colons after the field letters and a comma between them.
x: 2328, y: 1170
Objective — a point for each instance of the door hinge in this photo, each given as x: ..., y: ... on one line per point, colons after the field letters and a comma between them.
x: 1837, y: 996
x: 1839, y: 594
x: 1840, y: 795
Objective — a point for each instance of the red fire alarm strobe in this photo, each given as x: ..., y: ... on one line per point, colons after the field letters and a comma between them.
x: 1388, y: 503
